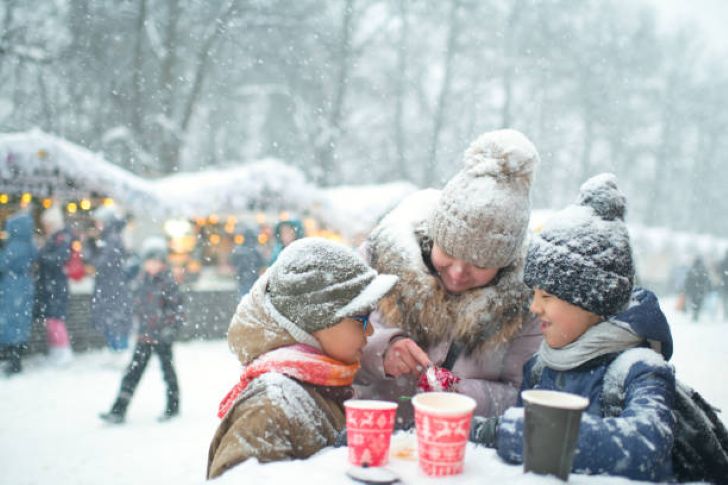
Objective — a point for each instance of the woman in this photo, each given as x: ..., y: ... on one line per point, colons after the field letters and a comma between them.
x: 460, y: 302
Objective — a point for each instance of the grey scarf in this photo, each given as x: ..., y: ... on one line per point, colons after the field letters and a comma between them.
x: 607, y: 337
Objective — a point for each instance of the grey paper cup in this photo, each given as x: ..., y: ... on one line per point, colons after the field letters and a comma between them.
x: 551, y: 431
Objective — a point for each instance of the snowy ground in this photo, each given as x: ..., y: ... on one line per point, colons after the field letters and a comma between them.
x: 50, y: 433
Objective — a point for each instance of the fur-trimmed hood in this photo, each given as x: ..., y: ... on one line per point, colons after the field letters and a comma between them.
x: 419, y: 303
x: 254, y: 330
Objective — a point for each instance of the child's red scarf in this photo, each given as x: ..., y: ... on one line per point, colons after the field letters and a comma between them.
x: 301, y: 362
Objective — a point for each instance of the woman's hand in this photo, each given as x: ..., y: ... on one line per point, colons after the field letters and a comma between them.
x: 404, y: 356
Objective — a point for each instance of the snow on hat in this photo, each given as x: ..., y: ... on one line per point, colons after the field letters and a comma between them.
x: 154, y: 247
x: 315, y: 283
x: 52, y: 219
x: 482, y: 215
x: 583, y: 254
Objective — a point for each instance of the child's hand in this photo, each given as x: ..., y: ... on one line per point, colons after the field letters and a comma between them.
x: 404, y: 356
x: 437, y: 379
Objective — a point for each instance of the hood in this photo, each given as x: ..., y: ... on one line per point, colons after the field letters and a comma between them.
x: 420, y: 305
x: 646, y: 319
x: 253, y: 330
x: 20, y: 227
x: 294, y: 224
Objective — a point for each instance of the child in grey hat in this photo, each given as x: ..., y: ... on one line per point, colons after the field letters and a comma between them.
x: 299, y: 333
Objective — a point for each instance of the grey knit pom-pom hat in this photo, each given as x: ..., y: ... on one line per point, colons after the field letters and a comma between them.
x: 315, y: 283
x: 482, y: 215
x: 583, y: 254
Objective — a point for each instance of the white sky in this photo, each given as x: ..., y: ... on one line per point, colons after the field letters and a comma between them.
x: 710, y: 17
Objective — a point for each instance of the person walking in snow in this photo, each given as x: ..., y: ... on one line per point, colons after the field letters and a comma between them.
x: 111, y: 309
x: 16, y: 288
x: 460, y: 302
x: 298, y: 334
x: 158, y: 308
x: 697, y: 286
x: 52, y: 290
x: 582, y: 271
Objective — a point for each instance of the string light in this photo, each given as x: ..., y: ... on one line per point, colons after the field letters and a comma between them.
x: 213, y: 219
x: 85, y: 204
x: 72, y: 207
x: 3, y: 198
x: 108, y: 201
x: 47, y: 203
x: 239, y: 239
x: 25, y: 199
x: 214, y: 239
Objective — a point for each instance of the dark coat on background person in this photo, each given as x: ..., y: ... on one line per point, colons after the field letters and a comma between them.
x: 158, y: 308
x: 52, y: 284
x: 723, y: 274
x: 697, y: 282
x: 111, y: 303
x: 247, y: 261
x: 634, y: 441
x: 16, y: 280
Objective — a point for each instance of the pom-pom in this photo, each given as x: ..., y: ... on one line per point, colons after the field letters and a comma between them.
x: 602, y: 194
x: 501, y: 154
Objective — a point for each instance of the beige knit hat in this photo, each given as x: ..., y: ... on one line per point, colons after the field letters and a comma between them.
x: 482, y: 215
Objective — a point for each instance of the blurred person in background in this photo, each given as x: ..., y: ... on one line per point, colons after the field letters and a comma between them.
x: 697, y: 286
x: 16, y: 288
x: 723, y: 282
x: 52, y: 284
x: 158, y: 309
x: 111, y: 311
x: 285, y: 233
x: 246, y: 259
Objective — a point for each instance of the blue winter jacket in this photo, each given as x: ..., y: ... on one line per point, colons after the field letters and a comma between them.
x: 637, y: 442
x: 52, y: 287
x: 16, y: 280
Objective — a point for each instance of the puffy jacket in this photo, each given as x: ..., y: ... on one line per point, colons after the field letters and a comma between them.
x: 637, y: 442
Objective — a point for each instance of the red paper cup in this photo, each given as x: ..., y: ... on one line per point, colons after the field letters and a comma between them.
x: 442, y: 420
x: 369, y: 426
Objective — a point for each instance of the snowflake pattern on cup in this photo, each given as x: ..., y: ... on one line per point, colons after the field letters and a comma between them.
x: 441, y: 442
x: 369, y: 431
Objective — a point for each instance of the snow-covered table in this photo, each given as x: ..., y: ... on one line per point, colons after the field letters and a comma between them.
x: 329, y: 466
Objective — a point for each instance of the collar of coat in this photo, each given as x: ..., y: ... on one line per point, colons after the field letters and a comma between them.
x: 420, y: 305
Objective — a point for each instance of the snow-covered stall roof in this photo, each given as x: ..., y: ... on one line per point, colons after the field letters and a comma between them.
x: 355, y: 210
x: 267, y: 184
x: 33, y: 161
x: 264, y: 185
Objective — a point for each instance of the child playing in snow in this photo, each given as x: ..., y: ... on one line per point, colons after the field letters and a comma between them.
x: 299, y: 334
x: 581, y: 269
x: 158, y: 306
